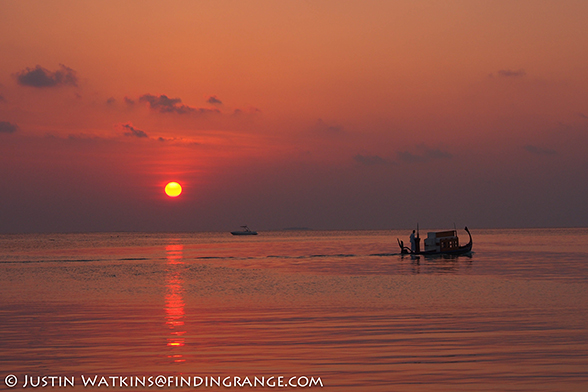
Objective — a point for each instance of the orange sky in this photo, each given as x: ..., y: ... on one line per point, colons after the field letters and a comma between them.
x: 322, y: 114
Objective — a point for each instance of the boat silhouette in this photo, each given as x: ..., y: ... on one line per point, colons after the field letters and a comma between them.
x: 438, y: 243
x: 245, y: 231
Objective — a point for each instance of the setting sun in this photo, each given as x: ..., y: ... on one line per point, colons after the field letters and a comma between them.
x: 173, y: 189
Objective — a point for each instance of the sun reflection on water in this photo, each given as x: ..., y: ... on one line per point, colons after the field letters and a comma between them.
x: 174, y: 300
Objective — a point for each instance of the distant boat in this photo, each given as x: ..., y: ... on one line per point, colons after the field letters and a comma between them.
x: 438, y: 243
x: 245, y: 231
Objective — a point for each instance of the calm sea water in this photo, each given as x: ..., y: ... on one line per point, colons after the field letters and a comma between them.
x: 342, y: 306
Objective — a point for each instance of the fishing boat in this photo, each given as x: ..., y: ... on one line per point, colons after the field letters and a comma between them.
x: 438, y: 243
x: 245, y: 231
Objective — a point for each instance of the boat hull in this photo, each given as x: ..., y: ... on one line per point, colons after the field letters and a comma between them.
x: 244, y: 232
x: 462, y: 250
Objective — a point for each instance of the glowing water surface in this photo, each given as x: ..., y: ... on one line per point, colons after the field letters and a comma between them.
x: 343, y: 306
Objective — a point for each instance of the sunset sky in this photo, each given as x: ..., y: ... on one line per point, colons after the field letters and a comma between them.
x: 275, y: 114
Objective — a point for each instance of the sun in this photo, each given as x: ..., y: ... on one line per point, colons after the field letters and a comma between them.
x: 173, y: 189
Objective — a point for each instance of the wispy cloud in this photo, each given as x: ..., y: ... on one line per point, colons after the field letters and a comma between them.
x: 247, y: 111
x: 425, y: 156
x: 164, y: 104
x: 214, y: 100
x: 6, y: 127
x: 370, y: 160
x: 323, y: 128
x: 508, y: 73
x: 40, y: 77
x: 179, y: 141
x: 132, y: 131
x: 539, y: 151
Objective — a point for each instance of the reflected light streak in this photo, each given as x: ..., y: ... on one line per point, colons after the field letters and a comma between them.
x: 174, y: 300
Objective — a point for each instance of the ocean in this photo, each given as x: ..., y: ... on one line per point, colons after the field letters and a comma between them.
x: 329, y: 310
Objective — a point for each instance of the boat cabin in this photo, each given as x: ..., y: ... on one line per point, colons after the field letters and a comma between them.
x: 441, y: 241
